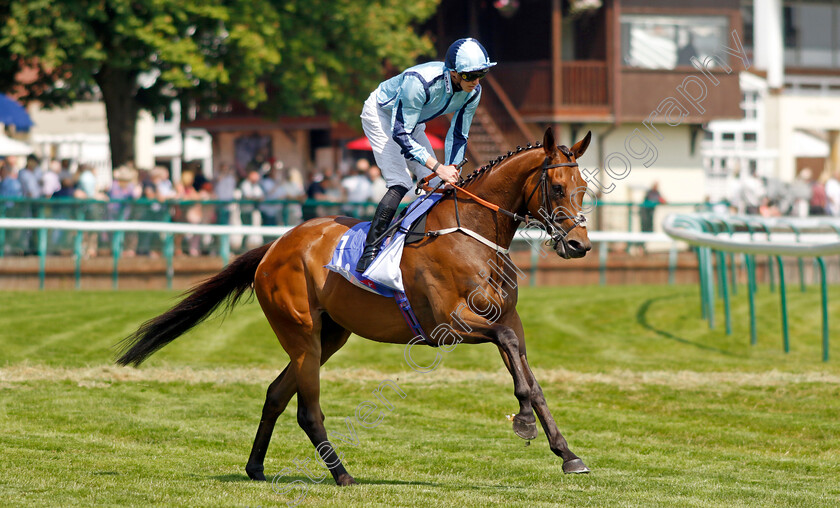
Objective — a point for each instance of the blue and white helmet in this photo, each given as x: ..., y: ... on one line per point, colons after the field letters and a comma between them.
x: 467, y: 55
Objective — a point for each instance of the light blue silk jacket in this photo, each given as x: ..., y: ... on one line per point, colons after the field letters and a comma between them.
x: 419, y: 94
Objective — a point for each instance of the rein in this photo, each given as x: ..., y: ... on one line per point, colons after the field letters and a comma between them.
x: 556, y: 231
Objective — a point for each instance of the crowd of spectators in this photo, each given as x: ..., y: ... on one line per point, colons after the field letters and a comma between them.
x: 271, y: 194
x: 260, y: 194
x: 749, y: 194
x: 807, y: 195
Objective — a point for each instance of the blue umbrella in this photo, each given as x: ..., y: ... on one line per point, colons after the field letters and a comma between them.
x: 12, y: 113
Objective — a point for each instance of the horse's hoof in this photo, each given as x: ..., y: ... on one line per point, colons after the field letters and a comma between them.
x: 575, y: 466
x: 523, y: 429
x: 255, y: 474
x: 345, y: 480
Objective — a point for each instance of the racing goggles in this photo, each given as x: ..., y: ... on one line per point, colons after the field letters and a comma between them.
x: 472, y: 76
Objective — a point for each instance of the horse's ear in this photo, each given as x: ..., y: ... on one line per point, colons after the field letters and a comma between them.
x: 581, y: 146
x: 548, y: 143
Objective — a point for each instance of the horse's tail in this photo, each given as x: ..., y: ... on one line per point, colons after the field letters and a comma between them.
x: 228, y: 285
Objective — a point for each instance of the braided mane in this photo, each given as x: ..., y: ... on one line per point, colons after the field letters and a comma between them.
x: 491, y: 164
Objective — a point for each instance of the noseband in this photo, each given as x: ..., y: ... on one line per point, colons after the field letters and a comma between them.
x: 556, y: 231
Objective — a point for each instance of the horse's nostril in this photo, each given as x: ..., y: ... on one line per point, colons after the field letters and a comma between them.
x: 576, y: 245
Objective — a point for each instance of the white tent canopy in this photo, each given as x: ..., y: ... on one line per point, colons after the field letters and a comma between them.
x: 191, y: 149
x: 168, y: 148
x: 807, y: 144
x: 9, y: 146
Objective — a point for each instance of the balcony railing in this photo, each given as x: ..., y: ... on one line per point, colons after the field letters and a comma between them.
x: 528, y: 84
x: 585, y: 83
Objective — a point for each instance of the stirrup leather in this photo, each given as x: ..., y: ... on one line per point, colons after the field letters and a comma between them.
x: 367, y: 258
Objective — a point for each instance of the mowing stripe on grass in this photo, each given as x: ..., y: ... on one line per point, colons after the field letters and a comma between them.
x: 621, y: 378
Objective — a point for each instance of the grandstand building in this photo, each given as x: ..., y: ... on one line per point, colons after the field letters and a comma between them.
x: 790, y: 97
x: 645, y: 76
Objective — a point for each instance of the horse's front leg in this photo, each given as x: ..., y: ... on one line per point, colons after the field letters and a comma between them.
x: 571, y: 462
x: 524, y: 422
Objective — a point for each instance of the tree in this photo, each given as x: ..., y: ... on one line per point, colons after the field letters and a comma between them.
x: 314, y: 55
x: 336, y: 52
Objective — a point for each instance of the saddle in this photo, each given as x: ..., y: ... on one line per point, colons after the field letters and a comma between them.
x: 383, y: 277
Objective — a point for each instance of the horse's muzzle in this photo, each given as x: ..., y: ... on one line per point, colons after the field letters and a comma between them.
x: 569, y: 249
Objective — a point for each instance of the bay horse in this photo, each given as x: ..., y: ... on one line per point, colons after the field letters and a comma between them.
x: 313, y: 310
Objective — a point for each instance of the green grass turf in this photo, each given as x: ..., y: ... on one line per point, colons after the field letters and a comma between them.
x: 662, y: 409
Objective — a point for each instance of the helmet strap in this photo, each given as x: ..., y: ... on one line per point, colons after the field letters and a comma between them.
x: 456, y: 86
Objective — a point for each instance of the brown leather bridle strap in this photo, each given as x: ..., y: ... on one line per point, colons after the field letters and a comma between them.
x: 424, y: 185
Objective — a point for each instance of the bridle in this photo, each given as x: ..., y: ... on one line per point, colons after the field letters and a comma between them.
x: 556, y: 231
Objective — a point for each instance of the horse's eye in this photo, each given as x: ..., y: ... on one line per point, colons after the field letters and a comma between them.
x: 558, y: 189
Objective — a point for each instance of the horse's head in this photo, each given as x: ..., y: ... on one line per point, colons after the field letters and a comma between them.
x: 554, y: 195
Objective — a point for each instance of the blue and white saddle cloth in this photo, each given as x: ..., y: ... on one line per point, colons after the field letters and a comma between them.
x: 383, y: 276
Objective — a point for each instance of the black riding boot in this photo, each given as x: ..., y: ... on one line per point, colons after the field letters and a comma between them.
x: 381, y: 220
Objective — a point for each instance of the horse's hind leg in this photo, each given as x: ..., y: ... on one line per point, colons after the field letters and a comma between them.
x: 279, y: 394
x: 307, y: 365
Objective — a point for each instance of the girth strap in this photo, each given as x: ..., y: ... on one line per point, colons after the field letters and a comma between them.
x: 411, y: 318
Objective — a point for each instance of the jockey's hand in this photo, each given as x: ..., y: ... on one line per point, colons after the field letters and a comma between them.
x: 448, y: 174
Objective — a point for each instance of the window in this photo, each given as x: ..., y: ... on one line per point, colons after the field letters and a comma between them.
x: 811, y: 33
x: 815, y: 39
x: 750, y: 137
x: 789, y: 33
x: 749, y: 103
x: 665, y: 42
x: 729, y: 136
x: 749, y: 25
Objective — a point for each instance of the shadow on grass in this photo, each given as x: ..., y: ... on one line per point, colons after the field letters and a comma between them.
x: 287, y: 479
x: 377, y: 481
x: 641, y: 318
x: 228, y: 478
x: 365, y: 481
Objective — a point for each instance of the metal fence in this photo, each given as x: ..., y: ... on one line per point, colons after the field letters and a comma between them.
x: 717, y: 238
x: 194, y: 213
x: 224, y: 236
x: 615, y: 216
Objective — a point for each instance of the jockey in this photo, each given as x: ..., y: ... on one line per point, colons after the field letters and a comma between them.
x: 394, y: 118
